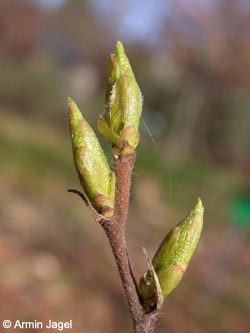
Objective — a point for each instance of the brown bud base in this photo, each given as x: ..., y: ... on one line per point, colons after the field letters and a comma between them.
x: 103, y: 204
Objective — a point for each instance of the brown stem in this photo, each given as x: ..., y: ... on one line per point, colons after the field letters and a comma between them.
x: 123, y: 169
x: 148, y: 323
x: 115, y: 231
x: 119, y: 248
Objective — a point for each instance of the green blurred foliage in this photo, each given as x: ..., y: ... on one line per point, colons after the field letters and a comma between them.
x: 35, y: 92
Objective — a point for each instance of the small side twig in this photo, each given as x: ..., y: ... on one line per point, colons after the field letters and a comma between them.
x: 97, y: 217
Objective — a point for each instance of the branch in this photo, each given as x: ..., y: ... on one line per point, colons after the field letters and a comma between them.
x: 115, y: 230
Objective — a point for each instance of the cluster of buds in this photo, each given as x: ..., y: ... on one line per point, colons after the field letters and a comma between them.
x: 119, y: 126
x: 172, y: 257
x: 123, y: 105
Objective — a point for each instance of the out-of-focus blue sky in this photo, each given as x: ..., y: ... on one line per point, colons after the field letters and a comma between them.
x: 140, y: 19
x: 51, y: 3
x: 133, y: 19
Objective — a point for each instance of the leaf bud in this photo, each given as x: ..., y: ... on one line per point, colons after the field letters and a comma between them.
x: 172, y: 257
x: 123, y: 104
x: 96, y: 178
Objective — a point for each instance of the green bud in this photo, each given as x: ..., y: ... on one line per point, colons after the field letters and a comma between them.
x: 123, y: 104
x: 172, y: 257
x: 96, y: 178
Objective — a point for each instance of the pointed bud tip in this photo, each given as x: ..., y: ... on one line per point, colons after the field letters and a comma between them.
x: 71, y: 103
x: 199, y: 208
x: 122, y: 59
x: 74, y: 112
x: 119, y: 50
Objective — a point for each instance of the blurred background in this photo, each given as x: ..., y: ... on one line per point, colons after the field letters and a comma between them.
x: 192, y: 62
